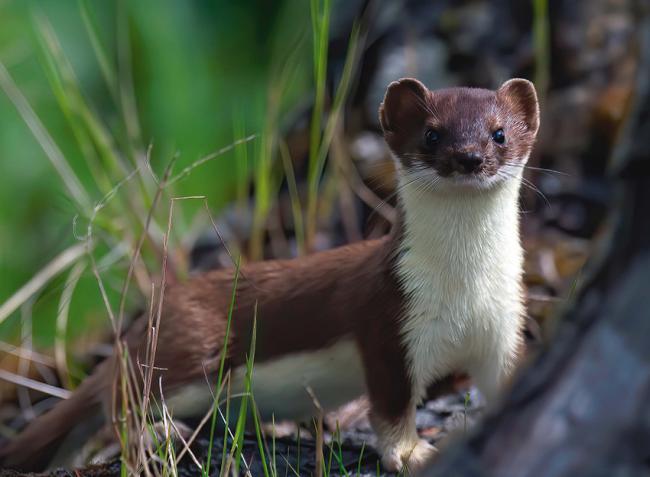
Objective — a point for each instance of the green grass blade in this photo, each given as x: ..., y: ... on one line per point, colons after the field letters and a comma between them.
x: 49, y: 146
x: 260, y: 439
x: 328, y: 469
x: 68, y: 101
x: 274, y: 468
x: 339, y: 456
x: 125, y: 80
x: 105, y: 66
x: 294, y: 197
x: 541, y: 42
x: 317, y: 193
x: 243, y: 410
x: 241, y: 162
x: 363, y: 448
x: 249, y: 378
x: 59, y: 64
x: 298, y: 460
x: 320, y: 28
x: 222, y: 362
x: 263, y: 186
x: 224, y: 453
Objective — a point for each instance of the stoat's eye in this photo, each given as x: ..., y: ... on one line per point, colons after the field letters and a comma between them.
x: 431, y: 137
x: 499, y: 136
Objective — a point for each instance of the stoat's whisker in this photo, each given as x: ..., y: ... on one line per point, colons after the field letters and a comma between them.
x: 540, y: 169
x: 526, y: 183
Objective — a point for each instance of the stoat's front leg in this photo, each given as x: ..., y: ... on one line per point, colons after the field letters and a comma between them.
x: 392, y: 407
x: 398, y: 441
x: 493, y: 369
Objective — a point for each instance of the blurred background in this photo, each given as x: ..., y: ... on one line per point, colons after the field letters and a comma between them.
x: 260, y: 117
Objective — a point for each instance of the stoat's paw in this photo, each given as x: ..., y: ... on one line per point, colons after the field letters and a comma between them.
x: 409, y: 458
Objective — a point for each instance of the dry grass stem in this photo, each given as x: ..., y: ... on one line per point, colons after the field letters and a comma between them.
x: 38, y: 281
x: 35, y: 385
x: 27, y: 354
x: 138, y: 248
x: 60, y: 354
x: 210, y: 157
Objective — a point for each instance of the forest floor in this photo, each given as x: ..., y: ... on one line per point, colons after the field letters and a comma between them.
x: 351, y: 453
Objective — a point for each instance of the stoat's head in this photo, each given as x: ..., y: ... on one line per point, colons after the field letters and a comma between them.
x: 460, y: 137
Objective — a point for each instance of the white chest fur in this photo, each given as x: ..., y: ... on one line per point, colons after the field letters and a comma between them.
x: 461, y: 267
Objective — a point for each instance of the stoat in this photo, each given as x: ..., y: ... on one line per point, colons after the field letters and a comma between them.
x: 441, y: 293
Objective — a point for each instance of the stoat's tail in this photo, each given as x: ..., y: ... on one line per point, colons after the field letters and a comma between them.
x: 35, y: 446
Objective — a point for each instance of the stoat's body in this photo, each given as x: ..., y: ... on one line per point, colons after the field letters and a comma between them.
x: 440, y: 294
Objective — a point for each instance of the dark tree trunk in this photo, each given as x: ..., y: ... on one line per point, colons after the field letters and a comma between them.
x: 583, y: 408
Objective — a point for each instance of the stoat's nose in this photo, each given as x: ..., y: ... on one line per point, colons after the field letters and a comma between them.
x: 468, y: 162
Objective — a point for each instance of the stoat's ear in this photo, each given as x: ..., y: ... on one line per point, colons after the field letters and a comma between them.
x: 405, y: 102
x: 520, y: 97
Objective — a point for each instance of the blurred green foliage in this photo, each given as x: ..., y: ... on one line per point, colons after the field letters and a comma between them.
x: 201, y: 71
